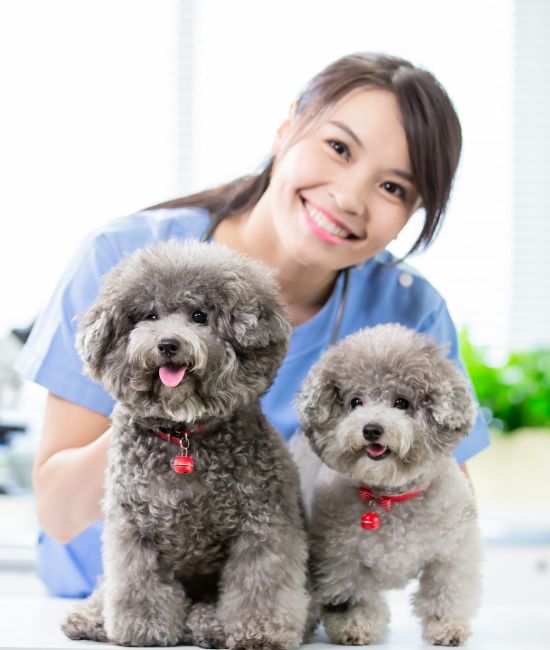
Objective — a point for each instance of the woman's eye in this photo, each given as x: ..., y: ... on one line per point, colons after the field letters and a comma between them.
x: 395, y: 190
x: 355, y: 402
x: 199, y: 317
x: 401, y: 403
x: 151, y: 316
x: 340, y: 148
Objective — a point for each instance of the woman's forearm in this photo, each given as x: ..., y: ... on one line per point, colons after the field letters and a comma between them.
x: 69, y: 488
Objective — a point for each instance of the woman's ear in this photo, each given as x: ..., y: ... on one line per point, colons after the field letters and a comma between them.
x: 280, y: 138
x: 283, y: 131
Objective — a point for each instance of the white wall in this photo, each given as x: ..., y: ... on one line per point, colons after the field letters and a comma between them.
x: 87, y: 123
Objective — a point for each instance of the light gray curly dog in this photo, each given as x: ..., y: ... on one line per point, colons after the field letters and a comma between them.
x: 383, y: 410
x: 186, y: 337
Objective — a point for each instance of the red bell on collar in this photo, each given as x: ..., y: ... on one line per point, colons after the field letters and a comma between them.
x: 370, y: 521
x: 182, y: 465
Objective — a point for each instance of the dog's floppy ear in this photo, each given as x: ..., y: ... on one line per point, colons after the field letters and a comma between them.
x: 317, y: 399
x: 260, y: 337
x: 94, y: 336
x: 451, y: 403
x: 269, y: 326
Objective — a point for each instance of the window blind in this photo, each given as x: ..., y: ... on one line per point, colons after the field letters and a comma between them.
x: 530, y: 321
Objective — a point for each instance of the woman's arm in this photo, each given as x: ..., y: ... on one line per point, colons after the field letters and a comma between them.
x: 68, y: 472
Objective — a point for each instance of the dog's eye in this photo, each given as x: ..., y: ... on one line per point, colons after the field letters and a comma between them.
x: 401, y: 403
x: 199, y: 317
x: 152, y: 316
x: 355, y: 402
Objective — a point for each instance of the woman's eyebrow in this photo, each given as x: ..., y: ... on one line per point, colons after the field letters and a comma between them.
x: 346, y: 128
x: 404, y: 175
x: 407, y: 176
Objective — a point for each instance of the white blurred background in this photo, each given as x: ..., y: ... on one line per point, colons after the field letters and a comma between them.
x: 112, y: 106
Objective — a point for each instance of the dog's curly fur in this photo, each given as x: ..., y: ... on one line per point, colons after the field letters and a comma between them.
x: 384, y: 409
x: 217, y: 557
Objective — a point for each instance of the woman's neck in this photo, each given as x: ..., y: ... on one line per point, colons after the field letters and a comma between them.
x: 304, y: 289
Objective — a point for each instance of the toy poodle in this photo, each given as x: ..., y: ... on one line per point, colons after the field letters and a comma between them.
x: 204, y: 541
x: 383, y: 410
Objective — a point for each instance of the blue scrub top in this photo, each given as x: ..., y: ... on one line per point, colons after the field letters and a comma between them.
x: 378, y: 292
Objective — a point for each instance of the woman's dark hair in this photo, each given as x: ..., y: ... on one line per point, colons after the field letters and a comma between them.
x: 431, y: 126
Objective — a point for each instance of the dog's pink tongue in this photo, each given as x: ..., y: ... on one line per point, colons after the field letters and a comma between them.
x: 170, y: 377
x: 375, y: 449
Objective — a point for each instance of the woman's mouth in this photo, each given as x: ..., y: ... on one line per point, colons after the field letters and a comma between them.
x: 324, y: 227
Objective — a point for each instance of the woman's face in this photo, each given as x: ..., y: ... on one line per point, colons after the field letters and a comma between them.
x: 343, y: 189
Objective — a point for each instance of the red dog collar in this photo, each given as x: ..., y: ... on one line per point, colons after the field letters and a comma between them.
x: 182, y: 464
x: 371, y: 520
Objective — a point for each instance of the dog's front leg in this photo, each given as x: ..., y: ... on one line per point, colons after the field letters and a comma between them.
x: 449, y: 594
x: 86, y: 620
x: 204, y: 627
x: 142, y: 607
x: 354, y: 609
x: 263, y: 600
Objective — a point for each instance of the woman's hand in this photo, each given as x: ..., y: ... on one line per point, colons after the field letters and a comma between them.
x: 69, y: 469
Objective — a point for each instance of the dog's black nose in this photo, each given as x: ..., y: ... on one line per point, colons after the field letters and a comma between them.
x: 168, y: 347
x: 372, y: 432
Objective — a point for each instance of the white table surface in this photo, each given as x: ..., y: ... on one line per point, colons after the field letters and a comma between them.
x: 33, y: 622
x: 515, y: 614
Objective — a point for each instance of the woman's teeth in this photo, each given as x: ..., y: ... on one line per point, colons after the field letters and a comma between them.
x: 324, y: 223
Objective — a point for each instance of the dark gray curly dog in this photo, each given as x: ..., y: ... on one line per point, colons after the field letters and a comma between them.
x: 204, y: 540
x: 383, y: 410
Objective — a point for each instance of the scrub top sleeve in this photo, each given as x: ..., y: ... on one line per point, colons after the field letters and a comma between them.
x: 50, y: 357
x: 439, y: 325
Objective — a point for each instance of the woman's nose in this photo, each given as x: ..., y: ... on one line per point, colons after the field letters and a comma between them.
x: 348, y: 203
x: 350, y: 195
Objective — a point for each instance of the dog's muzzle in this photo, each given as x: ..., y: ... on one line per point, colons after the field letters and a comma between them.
x: 168, y: 347
x: 372, y: 433
x: 171, y: 374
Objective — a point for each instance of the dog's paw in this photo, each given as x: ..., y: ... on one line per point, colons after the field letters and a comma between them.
x: 262, y: 640
x: 354, y: 629
x: 144, y: 638
x: 78, y: 625
x: 210, y: 641
x: 265, y: 625
x: 127, y: 631
x: 256, y: 643
x: 205, y: 628
x: 354, y: 635
x: 448, y: 633
x: 155, y: 617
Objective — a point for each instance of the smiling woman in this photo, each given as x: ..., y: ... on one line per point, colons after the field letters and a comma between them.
x: 369, y: 140
x: 343, y: 181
